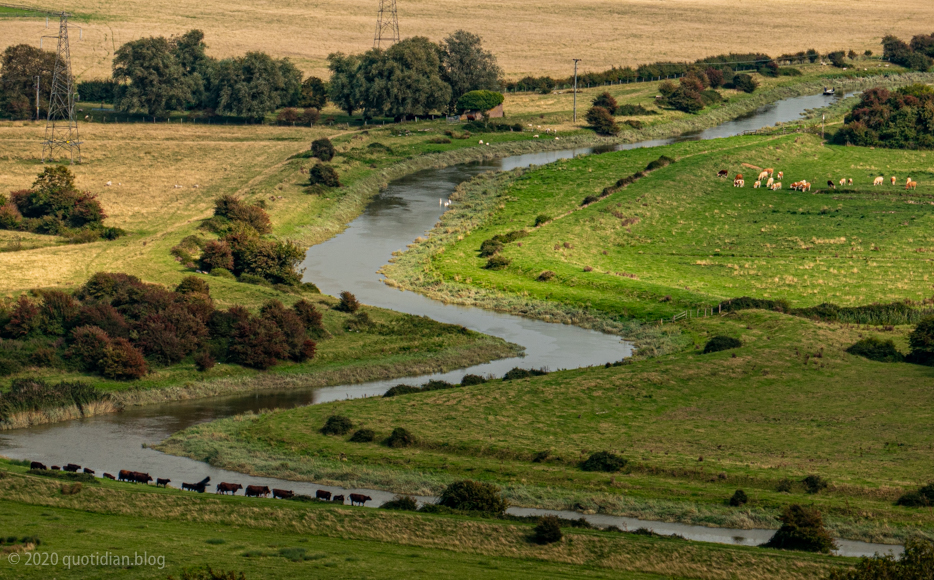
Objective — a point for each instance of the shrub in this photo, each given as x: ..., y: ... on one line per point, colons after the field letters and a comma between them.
x: 121, y: 361
x: 287, y: 116
x: 24, y: 319
x: 271, y: 260
x: 921, y: 341
x: 490, y: 247
x: 105, y: 317
x: 546, y: 276
x: 310, y: 116
x: 547, y: 531
x: 223, y: 273
x: 497, y: 262
x: 802, y: 529
x: 720, y: 342
x: 401, y: 502
x: 216, y: 255
x: 876, y: 349
x: 193, y: 285
x: 401, y: 390
x: 337, y: 425
x: 590, y: 199
x: 603, y: 461
x: 439, y: 140
x: 257, y: 343
x: 400, y: 437
x: 169, y: 336
x: 323, y: 174
x: 629, y: 110
x: 542, y: 219
x: 745, y: 83
x: 479, y: 101
x: 472, y: 380
x: 27, y: 395
x: 310, y: 317
x: 88, y: 344
x: 606, y: 101
x: 739, y: 498
x: 470, y: 495
x: 602, y: 121
x: 348, y: 302
x: 637, y: 125
x: 252, y: 215
x: 204, y: 361
x: 517, y: 373
x: 663, y: 161
x: 323, y: 149
x: 814, y: 483
x: 915, y: 563
x: 253, y: 279
x: 363, y: 436
x: 714, y: 77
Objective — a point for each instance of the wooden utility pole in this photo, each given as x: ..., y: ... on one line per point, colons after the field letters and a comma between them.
x: 576, y: 60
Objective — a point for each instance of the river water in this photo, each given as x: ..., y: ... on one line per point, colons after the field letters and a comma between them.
x: 408, y: 208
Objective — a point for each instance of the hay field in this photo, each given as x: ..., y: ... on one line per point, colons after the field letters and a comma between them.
x: 530, y: 36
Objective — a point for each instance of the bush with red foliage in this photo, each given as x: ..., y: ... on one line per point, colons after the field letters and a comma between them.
x: 88, y: 344
x: 257, y: 343
x: 24, y: 319
x: 59, y: 312
x: 121, y: 361
x: 310, y: 317
x: 289, y: 323
x: 105, y: 317
x: 307, y: 351
x: 204, y: 361
x: 235, y: 210
x: 169, y: 336
x: 10, y: 218
x: 216, y: 255
x: 348, y: 302
x: 222, y: 323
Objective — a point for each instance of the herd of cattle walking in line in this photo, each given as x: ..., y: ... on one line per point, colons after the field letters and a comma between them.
x: 775, y: 181
x: 201, y: 486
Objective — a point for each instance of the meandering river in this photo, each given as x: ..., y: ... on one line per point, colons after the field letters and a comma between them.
x: 408, y: 208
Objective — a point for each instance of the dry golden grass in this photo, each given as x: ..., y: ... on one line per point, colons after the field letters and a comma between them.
x: 530, y: 36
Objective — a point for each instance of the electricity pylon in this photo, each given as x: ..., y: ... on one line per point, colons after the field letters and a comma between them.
x: 61, y: 129
x: 387, y: 24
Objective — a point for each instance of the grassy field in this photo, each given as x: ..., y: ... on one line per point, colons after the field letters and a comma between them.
x: 280, y: 539
x: 530, y: 37
x: 683, y: 239
x: 789, y: 403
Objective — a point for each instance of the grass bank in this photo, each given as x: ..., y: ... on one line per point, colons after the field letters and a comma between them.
x: 281, y: 539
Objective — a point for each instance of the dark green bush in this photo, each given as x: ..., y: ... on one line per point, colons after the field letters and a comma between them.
x: 921, y: 341
x: 479, y: 101
x: 348, y: 302
x: 745, y: 83
x: 490, y: 247
x: 28, y: 395
x: 473, y: 496
x: 472, y: 380
x: 802, y: 529
x: 497, y: 262
x: 923, y: 497
x: 633, y: 110
x: 363, y: 436
x: 401, y: 502
x: 663, y: 161
x: 517, y: 373
x: 590, y: 199
x: 323, y: 174
x: 542, y: 219
x: 720, y: 342
x: 337, y: 425
x: 193, y: 285
x: 915, y: 563
x: 323, y: 149
x: 606, y: 101
x: 637, y: 125
x: 401, y: 390
x: 602, y: 121
x: 739, y: 498
x: 547, y: 531
x: 223, y: 273
x: 876, y: 349
x: 546, y: 276
x: 400, y: 437
x: 603, y: 461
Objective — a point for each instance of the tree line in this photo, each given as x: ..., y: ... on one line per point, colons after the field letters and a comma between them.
x: 901, y: 119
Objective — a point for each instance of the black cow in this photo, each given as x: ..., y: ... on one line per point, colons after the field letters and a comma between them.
x: 198, y: 487
x: 323, y: 495
x: 91, y: 471
x: 831, y: 184
x: 162, y: 482
x: 72, y: 468
x: 338, y: 498
x: 55, y: 468
x: 37, y: 465
x: 357, y: 498
x: 256, y: 491
x: 283, y: 493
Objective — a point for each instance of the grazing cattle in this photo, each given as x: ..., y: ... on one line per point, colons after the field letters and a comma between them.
x: 831, y: 184
x: 739, y: 183
x: 738, y: 177
x: 198, y: 487
x: 257, y: 491
x: 37, y: 465
x: 110, y: 477
x: 781, y: 174
x: 849, y: 181
x: 723, y: 173
x: 911, y: 185
x: 224, y: 488
x: 55, y: 468
x: 777, y: 185
x: 756, y: 184
x: 90, y: 471
x: 893, y: 180
x: 770, y: 171
x: 356, y: 498
x: 283, y: 493
x: 806, y: 186
x: 124, y: 475
x: 763, y: 175
x: 72, y: 468
x: 878, y: 181
x: 842, y: 182
x: 769, y: 183
x: 141, y: 477
x: 338, y: 499
x: 163, y: 482
x: 324, y: 495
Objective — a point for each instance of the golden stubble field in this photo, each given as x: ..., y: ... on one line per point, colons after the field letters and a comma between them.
x: 145, y: 163
x: 529, y: 36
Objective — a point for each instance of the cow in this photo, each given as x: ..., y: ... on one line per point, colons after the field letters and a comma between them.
x: 878, y: 181
x: 88, y: 471
x: 756, y: 184
x: 806, y: 186
x: 831, y: 184
x: 739, y: 183
x: 55, y: 468
x: 198, y: 487
x: 163, y: 482
x: 141, y: 477
x: 110, y: 477
x: 849, y: 181
x: 768, y: 184
x: 777, y: 185
x: 356, y: 498
x: 763, y: 175
x: 780, y: 175
x: 124, y: 475
x: 282, y: 493
x: 72, y: 468
x: 224, y: 487
x: 323, y: 495
x: 338, y: 499
x: 723, y: 173
x: 739, y: 176
x: 257, y: 491
x: 770, y: 171
x: 37, y: 465
x: 843, y: 182
x: 893, y: 180
x: 911, y: 185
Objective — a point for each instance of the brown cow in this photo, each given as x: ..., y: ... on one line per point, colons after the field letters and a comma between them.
x: 125, y: 475
x: 738, y: 177
x: 72, y: 468
x: 911, y: 185
x: 89, y: 471
x: 338, y: 499
x: 321, y: 494
x: 108, y: 476
x: 257, y: 491
x: 55, y: 468
x: 163, y: 482
x: 141, y: 477
x: 357, y: 498
x: 198, y: 487
x: 37, y: 465
x: 283, y: 493
x: 723, y: 173
x: 223, y: 487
